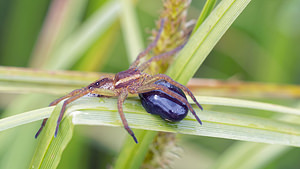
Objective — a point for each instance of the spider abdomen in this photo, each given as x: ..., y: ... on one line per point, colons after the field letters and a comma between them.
x: 160, y: 103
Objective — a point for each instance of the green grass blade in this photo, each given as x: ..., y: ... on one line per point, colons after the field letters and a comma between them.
x: 20, y: 80
x: 208, y: 7
x: 204, y: 39
x: 132, y: 155
x: 24, y: 118
x: 232, y: 125
x: 49, y: 150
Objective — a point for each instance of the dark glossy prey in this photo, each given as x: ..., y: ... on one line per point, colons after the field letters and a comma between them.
x: 167, y: 107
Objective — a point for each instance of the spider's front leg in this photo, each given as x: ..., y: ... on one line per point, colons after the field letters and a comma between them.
x: 66, y: 102
x: 87, y: 90
x: 151, y: 86
x: 55, y: 102
x: 105, y: 81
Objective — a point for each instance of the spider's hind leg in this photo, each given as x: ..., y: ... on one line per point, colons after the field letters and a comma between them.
x: 173, y: 82
x: 182, y: 87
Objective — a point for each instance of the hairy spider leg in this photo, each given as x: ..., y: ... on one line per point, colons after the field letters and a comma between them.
x: 152, y: 86
x: 150, y: 46
x: 87, y: 90
x: 66, y: 102
x: 123, y: 95
x: 41, y: 128
x: 182, y: 87
x: 163, y: 56
x: 73, y: 93
x: 79, y: 95
x: 55, y: 102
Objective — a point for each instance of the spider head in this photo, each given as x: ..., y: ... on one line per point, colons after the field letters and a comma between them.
x: 105, y: 83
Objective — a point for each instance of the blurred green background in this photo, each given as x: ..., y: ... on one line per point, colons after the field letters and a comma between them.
x: 262, y: 45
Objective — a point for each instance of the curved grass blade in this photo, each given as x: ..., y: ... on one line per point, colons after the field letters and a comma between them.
x: 49, y: 150
x: 215, y: 124
x: 233, y: 125
x: 24, y: 118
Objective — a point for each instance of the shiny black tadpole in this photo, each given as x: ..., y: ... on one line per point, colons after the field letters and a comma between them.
x: 167, y: 107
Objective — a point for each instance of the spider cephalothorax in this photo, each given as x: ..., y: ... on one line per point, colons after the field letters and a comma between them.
x: 131, y: 81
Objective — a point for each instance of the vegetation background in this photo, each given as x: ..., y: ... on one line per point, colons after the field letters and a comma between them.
x: 260, y: 46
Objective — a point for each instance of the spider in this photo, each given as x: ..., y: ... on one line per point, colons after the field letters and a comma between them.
x: 131, y: 81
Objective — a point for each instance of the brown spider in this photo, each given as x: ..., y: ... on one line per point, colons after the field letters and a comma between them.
x: 131, y: 81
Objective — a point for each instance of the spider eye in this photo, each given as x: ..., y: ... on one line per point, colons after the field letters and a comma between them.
x: 97, y: 83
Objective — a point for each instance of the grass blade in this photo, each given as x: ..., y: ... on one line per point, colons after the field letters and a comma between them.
x: 49, y: 150
x: 233, y: 125
x: 204, y: 39
x: 24, y: 118
x: 208, y: 7
x: 21, y: 80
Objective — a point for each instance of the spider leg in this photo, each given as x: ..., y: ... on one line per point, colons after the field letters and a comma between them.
x: 150, y: 46
x: 165, y: 55
x: 41, y: 128
x: 73, y: 93
x: 123, y: 95
x: 152, y: 86
x: 182, y: 87
x: 66, y: 102
x: 82, y: 93
x: 55, y: 102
